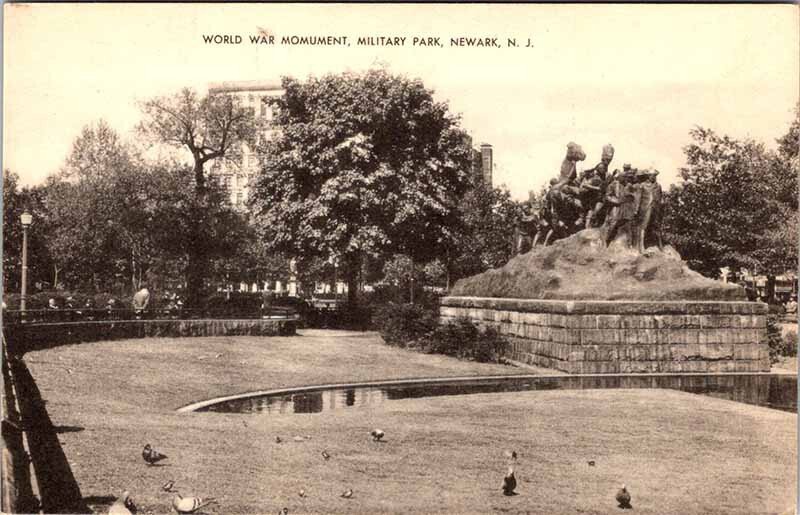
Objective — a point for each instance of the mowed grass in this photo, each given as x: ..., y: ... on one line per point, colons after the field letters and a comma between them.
x: 677, y: 452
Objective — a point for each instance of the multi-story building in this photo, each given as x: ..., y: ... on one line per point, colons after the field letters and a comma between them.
x: 236, y: 175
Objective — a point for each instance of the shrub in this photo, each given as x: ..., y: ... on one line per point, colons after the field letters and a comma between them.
x: 400, y: 324
x: 490, y: 347
x: 417, y: 326
x: 790, y: 343
x: 779, y: 345
x: 452, y: 339
x: 463, y: 339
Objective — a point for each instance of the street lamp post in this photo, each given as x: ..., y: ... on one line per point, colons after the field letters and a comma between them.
x: 26, y: 220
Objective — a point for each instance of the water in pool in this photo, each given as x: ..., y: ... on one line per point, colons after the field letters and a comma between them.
x: 773, y: 391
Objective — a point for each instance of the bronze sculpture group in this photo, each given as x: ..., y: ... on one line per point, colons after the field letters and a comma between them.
x: 625, y: 204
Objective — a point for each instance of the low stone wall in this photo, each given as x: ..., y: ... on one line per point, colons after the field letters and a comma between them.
x: 25, y: 337
x: 602, y: 337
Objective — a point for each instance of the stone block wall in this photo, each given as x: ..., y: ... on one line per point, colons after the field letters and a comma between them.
x: 604, y: 337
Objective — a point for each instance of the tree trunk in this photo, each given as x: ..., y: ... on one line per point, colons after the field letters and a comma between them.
x: 196, y: 258
x: 353, y: 267
x: 769, y: 292
x: 411, y: 282
x: 133, y: 271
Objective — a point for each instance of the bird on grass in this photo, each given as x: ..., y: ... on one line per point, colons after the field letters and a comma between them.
x: 123, y: 506
x: 151, y: 455
x: 190, y: 504
x: 325, y: 455
x: 509, y: 482
x: 623, y: 498
x: 591, y: 463
x: 347, y: 493
x: 377, y: 434
x: 278, y: 439
x: 168, y: 486
x: 301, y: 493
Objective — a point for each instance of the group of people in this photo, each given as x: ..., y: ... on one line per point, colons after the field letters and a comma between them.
x: 139, y: 303
x: 626, y: 204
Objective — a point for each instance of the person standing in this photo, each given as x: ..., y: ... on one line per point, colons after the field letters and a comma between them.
x: 140, y: 301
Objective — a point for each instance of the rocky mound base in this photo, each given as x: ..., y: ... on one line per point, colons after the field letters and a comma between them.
x: 582, y: 268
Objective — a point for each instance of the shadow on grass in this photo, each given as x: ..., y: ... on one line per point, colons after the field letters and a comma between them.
x: 100, y: 499
x: 67, y: 429
x: 58, y: 489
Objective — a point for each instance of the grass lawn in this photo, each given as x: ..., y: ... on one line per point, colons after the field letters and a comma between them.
x: 677, y: 452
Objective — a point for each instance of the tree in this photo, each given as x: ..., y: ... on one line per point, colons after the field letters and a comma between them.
x: 734, y: 207
x: 486, y: 237
x: 12, y: 231
x: 366, y: 164
x: 16, y: 200
x: 98, y: 214
x: 212, y: 127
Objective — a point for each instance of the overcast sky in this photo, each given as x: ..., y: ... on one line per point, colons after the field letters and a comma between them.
x: 636, y: 76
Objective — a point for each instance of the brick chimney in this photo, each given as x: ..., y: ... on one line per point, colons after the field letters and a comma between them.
x: 486, y: 162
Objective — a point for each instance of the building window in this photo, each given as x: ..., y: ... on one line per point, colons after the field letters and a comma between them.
x: 239, y: 198
x: 264, y: 109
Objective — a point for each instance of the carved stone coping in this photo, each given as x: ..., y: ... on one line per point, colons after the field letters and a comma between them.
x: 609, y: 307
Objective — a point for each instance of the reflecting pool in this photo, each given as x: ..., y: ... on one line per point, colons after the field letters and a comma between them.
x: 770, y: 390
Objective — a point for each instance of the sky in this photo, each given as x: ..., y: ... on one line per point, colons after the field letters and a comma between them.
x: 636, y: 76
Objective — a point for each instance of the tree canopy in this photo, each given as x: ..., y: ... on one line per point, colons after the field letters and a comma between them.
x: 736, y: 206
x: 361, y: 164
x: 112, y: 220
x: 485, y: 237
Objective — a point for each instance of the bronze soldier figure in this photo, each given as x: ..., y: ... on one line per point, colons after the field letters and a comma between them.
x: 650, y: 212
x: 619, y: 198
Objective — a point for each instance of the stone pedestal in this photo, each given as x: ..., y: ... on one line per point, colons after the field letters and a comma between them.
x: 605, y: 337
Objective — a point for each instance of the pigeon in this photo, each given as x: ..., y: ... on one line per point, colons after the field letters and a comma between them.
x: 167, y: 487
x: 278, y: 439
x: 190, y: 504
x: 377, y: 434
x: 151, y: 455
x: 591, y: 463
x: 624, y: 498
x: 347, y: 493
x: 301, y: 493
x: 326, y: 455
x: 509, y: 482
x: 123, y: 506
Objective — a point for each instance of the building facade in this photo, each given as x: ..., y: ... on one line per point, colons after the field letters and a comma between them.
x: 253, y: 95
